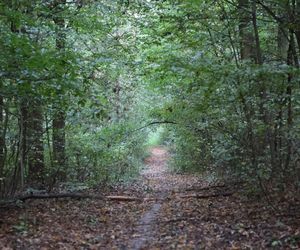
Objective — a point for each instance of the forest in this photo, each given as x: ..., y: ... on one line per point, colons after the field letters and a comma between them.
x: 149, y: 124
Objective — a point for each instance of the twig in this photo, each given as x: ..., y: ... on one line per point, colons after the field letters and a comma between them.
x: 206, y: 196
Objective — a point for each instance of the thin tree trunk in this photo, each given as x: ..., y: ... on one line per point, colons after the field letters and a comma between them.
x: 23, y: 140
x: 58, y: 139
x: 2, y: 136
x: 4, y: 127
x: 289, y: 92
x: 247, y: 53
x: 116, y: 91
x: 35, y: 142
x: 258, y: 54
x: 247, y: 41
x: 59, y: 157
x: 297, y: 23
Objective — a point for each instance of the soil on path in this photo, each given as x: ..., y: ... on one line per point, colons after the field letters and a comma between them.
x: 170, y: 217
x: 162, y: 183
x: 154, y: 175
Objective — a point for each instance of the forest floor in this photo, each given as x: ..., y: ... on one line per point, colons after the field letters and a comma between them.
x: 175, y: 212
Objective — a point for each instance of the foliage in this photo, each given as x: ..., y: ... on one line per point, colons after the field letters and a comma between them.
x: 80, y: 81
x: 235, y: 117
x: 74, y: 60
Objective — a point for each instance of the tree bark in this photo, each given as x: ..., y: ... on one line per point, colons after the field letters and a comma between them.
x: 35, y: 143
x: 283, y: 33
x: 247, y: 41
x: 23, y: 138
x: 2, y: 138
x: 59, y: 157
x: 258, y: 54
x: 58, y: 138
x: 297, y: 24
x: 289, y: 92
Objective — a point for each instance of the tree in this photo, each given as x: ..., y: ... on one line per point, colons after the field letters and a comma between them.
x: 247, y: 40
x: 59, y: 116
x: 2, y: 134
x: 35, y: 144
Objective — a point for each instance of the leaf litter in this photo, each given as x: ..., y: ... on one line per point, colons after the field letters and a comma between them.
x: 170, y: 217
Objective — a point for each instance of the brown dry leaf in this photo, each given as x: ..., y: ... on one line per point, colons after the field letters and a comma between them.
x: 163, y: 220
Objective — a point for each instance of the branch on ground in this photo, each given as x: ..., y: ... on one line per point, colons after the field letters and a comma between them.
x: 207, y: 196
x: 69, y: 195
x: 225, y: 185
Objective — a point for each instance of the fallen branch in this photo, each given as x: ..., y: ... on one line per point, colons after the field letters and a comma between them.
x: 207, y: 196
x: 173, y: 220
x: 70, y: 195
x: 225, y: 185
x: 204, y: 188
x: 59, y: 196
x: 122, y: 198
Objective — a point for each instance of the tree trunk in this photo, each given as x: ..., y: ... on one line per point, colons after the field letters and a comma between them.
x: 116, y: 91
x: 275, y: 142
x: 59, y: 157
x: 247, y: 41
x: 35, y: 143
x: 258, y: 54
x: 297, y: 24
x: 2, y: 138
x: 3, y: 148
x: 23, y: 139
x: 58, y: 139
x: 282, y: 36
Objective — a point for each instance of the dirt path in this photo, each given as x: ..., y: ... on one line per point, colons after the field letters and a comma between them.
x: 155, y: 177
x: 170, y: 217
x: 162, y: 183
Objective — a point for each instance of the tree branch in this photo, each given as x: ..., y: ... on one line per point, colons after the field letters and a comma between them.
x: 153, y: 123
x: 207, y: 196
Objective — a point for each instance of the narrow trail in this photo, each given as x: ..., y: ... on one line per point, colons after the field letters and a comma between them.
x: 154, y: 175
x: 162, y: 183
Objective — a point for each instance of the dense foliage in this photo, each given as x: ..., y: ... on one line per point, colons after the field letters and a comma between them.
x: 231, y: 80
x: 69, y: 94
x: 80, y: 81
